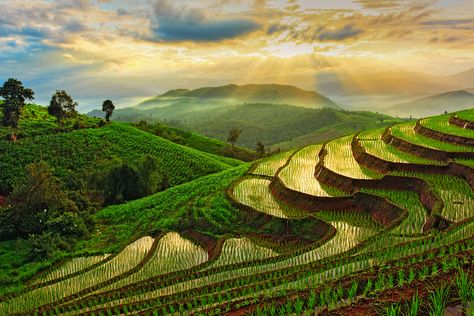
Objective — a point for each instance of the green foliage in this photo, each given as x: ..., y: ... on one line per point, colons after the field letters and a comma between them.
x: 393, y: 310
x: 36, y: 200
x: 198, y: 141
x: 438, y: 300
x: 124, y: 182
x: 44, y: 245
x: 465, y: 288
x: 414, y: 305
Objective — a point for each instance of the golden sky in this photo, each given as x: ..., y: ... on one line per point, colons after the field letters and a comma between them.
x: 135, y: 48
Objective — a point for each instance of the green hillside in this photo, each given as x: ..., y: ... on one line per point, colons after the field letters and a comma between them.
x: 267, y: 123
x: 77, y: 154
x: 197, y: 141
x: 36, y: 121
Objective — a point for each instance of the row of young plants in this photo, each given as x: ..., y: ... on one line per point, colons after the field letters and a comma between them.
x: 441, y: 124
x: 254, y: 192
x: 298, y: 173
x: 456, y: 194
x: 374, y: 145
x: 467, y: 115
x: 269, y: 166
x: 406, y: 132
x: 172, y: 253
x: 69, y: 267
x: 126, y: 260
x: 349, y: 287
x: 417, y: 212
x: 400, y: 252
x: 339, y: 159
x: 285, y: 274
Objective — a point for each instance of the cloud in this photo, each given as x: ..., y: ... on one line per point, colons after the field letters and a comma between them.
x: 343, y: 33
x: 379, y: 4
x: 174, y: 24
x: 73, y: 4
x: 276, y: 28
x: 449, y: 22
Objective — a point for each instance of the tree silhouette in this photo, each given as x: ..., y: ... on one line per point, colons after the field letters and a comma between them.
x: 234, y: 134
x: 14, y: 95
x: 260, y: 149
x: 108, y: 107
x: 62, y: 105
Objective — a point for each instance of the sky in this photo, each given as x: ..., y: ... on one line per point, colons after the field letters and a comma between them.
x: 131, y: 49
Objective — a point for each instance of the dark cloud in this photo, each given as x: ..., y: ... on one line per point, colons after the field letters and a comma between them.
x: 276, y: 28
x: 170, y: 23
x: 343, y: 33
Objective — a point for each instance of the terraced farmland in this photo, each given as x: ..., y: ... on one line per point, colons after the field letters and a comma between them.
x: 368, y: 223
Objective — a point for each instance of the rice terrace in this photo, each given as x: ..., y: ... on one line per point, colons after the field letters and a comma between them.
x: 238, y: 157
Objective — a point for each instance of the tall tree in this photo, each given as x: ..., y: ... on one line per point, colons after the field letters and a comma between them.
x: 62, y: 105
x: 14, y: 96
x: 260, y: 150
x: 108, y: 107
x: 233, y: 136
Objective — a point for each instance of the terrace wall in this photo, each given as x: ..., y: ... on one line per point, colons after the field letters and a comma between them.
x: 424, y: 152
x: 320, y: 230
x: 454, y: 120
x: 430, y: 200
x: 443, y: 137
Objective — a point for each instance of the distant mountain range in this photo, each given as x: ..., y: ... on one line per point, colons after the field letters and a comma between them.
x: 233, y: 94
x: 392, y: 83
x: 434, y: 105
x: 267, y: 113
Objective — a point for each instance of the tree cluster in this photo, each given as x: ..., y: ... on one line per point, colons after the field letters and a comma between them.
x: 122, y: 181
x: 14, y: 97
x: 61, y: 106
x: 39, y: 209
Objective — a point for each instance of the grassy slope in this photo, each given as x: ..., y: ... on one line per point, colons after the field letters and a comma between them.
x: 36, y: 121
x: 76, y: 154
x: 210, y: 145
x: 200, y: 205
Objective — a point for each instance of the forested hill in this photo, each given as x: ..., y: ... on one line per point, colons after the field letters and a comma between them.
x: 268, y: 123
x: 251, y: 93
